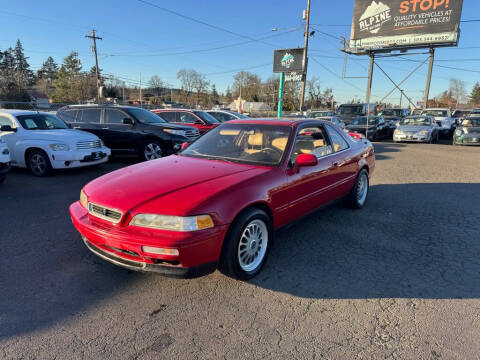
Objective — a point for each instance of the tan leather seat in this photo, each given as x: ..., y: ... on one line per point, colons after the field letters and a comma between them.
x: 280, y: 143
x: 255, y: 143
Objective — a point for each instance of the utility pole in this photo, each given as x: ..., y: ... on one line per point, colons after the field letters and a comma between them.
x: 307, y: 32
x: 141, y: 103
x: 123, y: 93
x: 97, y: 70
x: 429, y: 78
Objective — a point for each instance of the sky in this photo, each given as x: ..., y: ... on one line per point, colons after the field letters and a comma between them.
x: 141, y: 40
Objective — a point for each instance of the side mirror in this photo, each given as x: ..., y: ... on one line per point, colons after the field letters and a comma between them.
x: 306, y: 160
x: 7, y: 128
x: 127, y: 121
x: 184, y: 146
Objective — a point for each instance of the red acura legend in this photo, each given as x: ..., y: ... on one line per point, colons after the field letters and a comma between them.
x: 218, y: 202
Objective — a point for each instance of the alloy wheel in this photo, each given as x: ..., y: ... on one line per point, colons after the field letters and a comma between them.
x: 362, y: 189
x: 252, y: 246
x: 38, y: 164
x: 152, y: 151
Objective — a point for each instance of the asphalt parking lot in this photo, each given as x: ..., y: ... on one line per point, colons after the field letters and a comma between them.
x: 398, y: 279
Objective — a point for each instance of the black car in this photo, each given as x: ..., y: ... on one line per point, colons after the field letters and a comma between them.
x: 129, y: 130
x: 377, y: 128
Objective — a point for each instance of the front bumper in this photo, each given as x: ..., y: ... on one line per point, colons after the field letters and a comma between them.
x: 463, y: 140
x: 122, y: 245
x: 411, y: 138
x: 4, y: 168
x: 79, y: 158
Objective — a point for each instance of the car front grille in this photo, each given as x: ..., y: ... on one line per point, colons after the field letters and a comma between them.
x: 105, y: 213
x: 87, y: 145
x: 192, y: 134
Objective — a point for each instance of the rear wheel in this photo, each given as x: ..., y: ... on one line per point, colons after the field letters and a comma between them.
x: 152, y: 150
x: 358, y: 195
x: 38, y: 163
x: 246, y: 245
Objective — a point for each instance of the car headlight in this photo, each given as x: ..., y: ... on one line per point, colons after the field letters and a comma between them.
x: 175, y: 132
x: 173, y: 223
x: 398, y: 132
x: 458, y: 132
x: 423, y: 132
x: 59, y: 147
x: 83, y: 199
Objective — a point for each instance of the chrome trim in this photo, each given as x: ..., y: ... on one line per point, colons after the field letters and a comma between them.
x: 102, y: 216
x: 87, y: 145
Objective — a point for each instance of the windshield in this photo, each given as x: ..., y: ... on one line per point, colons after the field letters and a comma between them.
x: 145, y: 116
x: 240, y: 116
x: 391, y: 112
x: 442, y: 113
x: 471, y: 122
x: 350, y: 109
x: 459, y: 113
x: 41, y: 122
x: 209, y: 119
x: 244, y: 143
x: 416, y: 121
x: 318, y: 114
x: 362, y: 120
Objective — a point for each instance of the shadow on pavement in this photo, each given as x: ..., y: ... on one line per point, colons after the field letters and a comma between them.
x: 382, y: 149
x: 405, y: 243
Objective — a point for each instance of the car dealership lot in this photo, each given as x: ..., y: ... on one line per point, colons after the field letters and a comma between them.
x: 397, y: 279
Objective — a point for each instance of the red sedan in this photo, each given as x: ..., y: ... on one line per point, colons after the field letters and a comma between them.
x: 218, y: 202
x: 198, y: 119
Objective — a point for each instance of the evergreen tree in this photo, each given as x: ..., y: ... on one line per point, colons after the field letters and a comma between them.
x: 22, y: 70
x: 49, y: 70
x: 475, y: 95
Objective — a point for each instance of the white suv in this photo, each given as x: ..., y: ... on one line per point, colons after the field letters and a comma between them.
x: 41, y: 141
x: 4, y: 160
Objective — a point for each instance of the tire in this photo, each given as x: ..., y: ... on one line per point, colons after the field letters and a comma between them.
x: 152, y: 150
x: 38, y: 163
x: 355, y: 200
x: 242, y: 254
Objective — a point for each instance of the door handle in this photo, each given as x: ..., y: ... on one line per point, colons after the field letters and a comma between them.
x: 105, y: 128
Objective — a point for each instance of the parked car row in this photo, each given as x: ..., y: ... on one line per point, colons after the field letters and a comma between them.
x: 4, y: 160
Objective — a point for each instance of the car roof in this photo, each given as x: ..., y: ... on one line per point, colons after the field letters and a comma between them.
x: 92, y: 106
x: 275, y: 121
x: 22, y: 112
x: 177, y: 109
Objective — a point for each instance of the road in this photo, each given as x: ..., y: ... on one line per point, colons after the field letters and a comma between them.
x: 399, y: 279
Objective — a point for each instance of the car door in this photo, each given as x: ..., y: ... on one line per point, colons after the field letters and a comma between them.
x: 119, y: 136
x: 10, y: 137
x: 310, y: 187
x: 382, y: 128
x: 89, y: 120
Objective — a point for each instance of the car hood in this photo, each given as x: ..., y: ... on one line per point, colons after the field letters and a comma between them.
x: 409, y: 128
x: 136, y: 185
x: 171, y: 126
x: 470, y: 130
x: 68, y: 136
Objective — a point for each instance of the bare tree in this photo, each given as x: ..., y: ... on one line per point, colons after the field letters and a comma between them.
x: 187, y: 78
x: 314, y: 92
x: 156, y: 84
x: 201, y: 86
x: 457, y: 89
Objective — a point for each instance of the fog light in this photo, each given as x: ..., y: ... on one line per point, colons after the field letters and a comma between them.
x: 159, y: 251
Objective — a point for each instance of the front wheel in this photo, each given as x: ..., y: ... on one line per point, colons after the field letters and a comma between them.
x: 38, y: 163
x: 358, y: 195
x: 152, y: 150
x: 246, y: 245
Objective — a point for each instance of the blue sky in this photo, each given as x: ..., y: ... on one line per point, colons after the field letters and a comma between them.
x: 141, y: 39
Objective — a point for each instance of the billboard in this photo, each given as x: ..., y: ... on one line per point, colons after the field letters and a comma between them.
x: 401, y: 24
x: 288, y: 60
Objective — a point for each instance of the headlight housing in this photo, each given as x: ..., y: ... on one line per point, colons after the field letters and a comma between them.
x: 423, y: 132
x: 83, y: 199
x: 173, y: 223
x: 175, y: 132
x: 458, y: 132
x: 398, y: 132
x: 59, y: 147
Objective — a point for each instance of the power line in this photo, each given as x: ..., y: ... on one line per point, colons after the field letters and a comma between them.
x: 216, y: 27
x: 334, y: 74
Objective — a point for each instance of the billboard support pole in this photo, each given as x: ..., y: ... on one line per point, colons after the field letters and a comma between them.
x: 370, y: 76
x: 280, y: 95
x: 307, y: 34
x: 429, y: 78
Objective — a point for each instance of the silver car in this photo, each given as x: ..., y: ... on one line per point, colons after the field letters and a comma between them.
x: 420, y: 128
x: 333, y: 119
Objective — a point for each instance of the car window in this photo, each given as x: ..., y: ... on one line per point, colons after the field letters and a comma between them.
x: 312, y: 140
x: 5, y: 121
x: 206, y: 117
x: 91, y: 116
x: 169, y: 116
x: 338, y: 142
x: 114, y: 116
x: 187, y: 118
x: 67, y: 115
x: 41, y: 122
